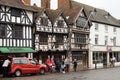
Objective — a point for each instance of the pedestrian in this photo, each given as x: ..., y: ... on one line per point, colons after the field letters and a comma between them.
x: 63, y: 67
x: 75, y: 65
x: 57, y: 64
x: 67, y: 64
x: 48, y: 62
x: 52, y: 64
x: 6, y: 66
x: 40, y: 60
x: 113, y: 61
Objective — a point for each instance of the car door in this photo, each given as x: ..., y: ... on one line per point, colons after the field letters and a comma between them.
x: 24, y: 65
x: 34, y: 68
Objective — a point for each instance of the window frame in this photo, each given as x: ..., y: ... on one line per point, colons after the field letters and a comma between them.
x: 17, y: 31
x: 15, y: 12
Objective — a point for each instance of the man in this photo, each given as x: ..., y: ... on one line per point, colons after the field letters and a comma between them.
x: 75, y: 65
x: 6, y: 67
x: 67, y: 64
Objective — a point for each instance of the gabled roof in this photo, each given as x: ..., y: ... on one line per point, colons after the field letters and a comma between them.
x: 39, y: 13
x: 54, y: 14
x: 100, y: 14
x: 16, y: 4
x: 72, y: 11
x: 72, y: 14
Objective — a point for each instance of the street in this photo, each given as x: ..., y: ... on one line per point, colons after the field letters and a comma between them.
x: 99, y: 74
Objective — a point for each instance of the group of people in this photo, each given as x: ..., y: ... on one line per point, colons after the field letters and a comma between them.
x: 52, y: 64
x: 64, y: 65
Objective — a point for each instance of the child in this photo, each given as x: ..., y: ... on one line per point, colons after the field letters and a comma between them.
x: 63, y: 67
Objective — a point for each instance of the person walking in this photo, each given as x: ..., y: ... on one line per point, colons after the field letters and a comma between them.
x: 75, y: 65
x: 48, y: 63
x: 5, y: 66
x: 113, y: 61
x: 67, y: 64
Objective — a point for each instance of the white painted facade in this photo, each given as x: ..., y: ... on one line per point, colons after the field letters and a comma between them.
x: 107, y: 49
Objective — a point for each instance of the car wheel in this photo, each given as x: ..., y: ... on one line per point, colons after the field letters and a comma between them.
x: 18, y: 73
x: 42, y: 71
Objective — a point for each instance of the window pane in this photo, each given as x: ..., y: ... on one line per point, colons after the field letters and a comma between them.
x: 17, y: 61
x: 17, y: 31
x: 24, y: 61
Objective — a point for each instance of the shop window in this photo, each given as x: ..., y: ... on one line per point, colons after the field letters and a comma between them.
x: 97, y: 56
x: 116, y: 55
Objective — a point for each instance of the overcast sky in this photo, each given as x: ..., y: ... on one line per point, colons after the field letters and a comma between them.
x: 112, y: 6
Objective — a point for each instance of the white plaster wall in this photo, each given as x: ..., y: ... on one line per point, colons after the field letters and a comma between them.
x: 102, y: 33
x: 101, y: 42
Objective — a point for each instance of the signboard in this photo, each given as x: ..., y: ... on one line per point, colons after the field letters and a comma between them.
x: 109, y: 48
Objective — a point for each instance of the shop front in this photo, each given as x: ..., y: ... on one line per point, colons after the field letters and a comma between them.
x: 43, y: 55
x: 6, y: 52
x: 82, y: 59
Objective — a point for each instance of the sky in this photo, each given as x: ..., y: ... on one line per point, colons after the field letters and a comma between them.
x: 110, y: 6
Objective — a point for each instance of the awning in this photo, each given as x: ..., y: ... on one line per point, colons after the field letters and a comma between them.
x: 16, y: 50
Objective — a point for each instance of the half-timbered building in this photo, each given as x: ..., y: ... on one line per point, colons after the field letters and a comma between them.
x: 16, y: 21
x: 51, y: 34
x: 79, y: 31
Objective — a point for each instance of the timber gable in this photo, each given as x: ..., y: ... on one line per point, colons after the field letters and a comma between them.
x: 14, y: 15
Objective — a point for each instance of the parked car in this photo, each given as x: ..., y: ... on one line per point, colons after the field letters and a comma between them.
x: 23, y: 65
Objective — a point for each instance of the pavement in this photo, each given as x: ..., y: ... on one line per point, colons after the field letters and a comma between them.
x: 97, y: 74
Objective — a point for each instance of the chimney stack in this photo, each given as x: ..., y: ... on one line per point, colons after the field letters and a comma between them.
x: 45, y: 3
x: 27, y: 2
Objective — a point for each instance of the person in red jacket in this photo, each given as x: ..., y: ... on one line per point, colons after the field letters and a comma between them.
x: 48, y: 63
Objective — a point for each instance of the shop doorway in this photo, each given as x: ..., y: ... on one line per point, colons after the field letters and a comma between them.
x: 84, y: 56
x: 104, y: 60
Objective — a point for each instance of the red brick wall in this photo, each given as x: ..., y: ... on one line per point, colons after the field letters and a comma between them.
x: 45, y: 3
x: 61, y: 2
x: 27, y: 2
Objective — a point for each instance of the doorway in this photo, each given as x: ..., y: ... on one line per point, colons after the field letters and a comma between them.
x: 104, y: 60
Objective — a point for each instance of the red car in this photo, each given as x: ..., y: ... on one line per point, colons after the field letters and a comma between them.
x: 23, y: 65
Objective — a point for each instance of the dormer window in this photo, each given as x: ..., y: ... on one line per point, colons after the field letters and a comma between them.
x: 107, y: 16
x: 15, y: 12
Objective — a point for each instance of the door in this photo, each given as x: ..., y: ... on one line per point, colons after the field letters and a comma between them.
x: 84, y: 59
x: 104, y: 59
x: 33, y: 67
